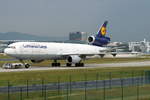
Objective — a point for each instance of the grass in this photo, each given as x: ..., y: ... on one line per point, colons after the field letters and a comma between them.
x: 129, y: 93
x: 4, y: 56
x: 35, y: 77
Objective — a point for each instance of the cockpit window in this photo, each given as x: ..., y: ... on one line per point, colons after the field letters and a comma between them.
x: 12, y: 47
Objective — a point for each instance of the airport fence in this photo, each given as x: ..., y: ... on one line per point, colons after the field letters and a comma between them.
x: 133, y: 85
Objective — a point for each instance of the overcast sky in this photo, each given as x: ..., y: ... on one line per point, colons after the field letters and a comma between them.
x: 129, y: 20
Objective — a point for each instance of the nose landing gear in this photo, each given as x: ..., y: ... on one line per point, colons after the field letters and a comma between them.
x: 26, y: 65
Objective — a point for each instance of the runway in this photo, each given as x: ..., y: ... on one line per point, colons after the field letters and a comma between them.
x: 87, y: 66
x: 9, y: 59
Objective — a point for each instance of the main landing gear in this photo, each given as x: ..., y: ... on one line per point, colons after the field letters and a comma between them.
x: 79, y: 64
x: 68, y: 64
x: 54, y: 64
x: 76, y: 64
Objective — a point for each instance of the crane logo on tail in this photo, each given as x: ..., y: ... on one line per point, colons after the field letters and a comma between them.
x: 103, y: 31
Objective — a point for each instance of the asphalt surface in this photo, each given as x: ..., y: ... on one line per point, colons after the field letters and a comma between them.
x: 87, y: 66
x: 81, y: 85
x: 8, y: 59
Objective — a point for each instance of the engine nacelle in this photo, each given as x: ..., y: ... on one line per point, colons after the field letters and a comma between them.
x: 36, y: 61
x: 91, y: 39
x: 74, y: 59
x: 98, y: 41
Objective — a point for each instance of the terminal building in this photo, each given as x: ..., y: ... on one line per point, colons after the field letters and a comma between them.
x: 120, y: 46
x: 2, y: 47
x: 142, y: 46
x: 78, y: 36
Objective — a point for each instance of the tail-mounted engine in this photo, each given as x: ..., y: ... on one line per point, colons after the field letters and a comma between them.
x: 98, y: 41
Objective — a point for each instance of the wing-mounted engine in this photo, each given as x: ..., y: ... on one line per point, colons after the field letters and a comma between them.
x: 74, y: 59
x: 36, y: 61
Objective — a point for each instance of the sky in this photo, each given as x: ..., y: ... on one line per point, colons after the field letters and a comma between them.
x: 129, y: 20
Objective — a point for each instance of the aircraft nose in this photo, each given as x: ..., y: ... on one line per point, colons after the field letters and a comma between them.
x: 6, y: 51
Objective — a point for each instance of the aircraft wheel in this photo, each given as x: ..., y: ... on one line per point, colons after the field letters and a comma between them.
x: 52, y: 64
x: 114, y: 54
x: 27, y: 65
x: 68, y: 64
x: 82, y: 64
x: 55, y: 64
x: 79, y: 64
x: 58, y: 64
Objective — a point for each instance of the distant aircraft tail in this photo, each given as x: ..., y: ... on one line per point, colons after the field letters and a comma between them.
x: 100, y: 39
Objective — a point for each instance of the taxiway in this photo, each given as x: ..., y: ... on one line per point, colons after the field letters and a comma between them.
x: 87, y: 66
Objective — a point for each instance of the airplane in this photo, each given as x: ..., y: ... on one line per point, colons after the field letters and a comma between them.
x: 37, y: 52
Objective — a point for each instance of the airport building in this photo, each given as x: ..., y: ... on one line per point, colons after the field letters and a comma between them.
x: 142, y: 46
x: 120, y: 46
x: 78, y: 36
x: 2, y: 47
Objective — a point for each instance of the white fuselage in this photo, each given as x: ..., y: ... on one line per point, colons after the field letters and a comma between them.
x: 50, y: 50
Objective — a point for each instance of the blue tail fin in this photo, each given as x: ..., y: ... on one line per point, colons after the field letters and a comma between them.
x: 102, y: 31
